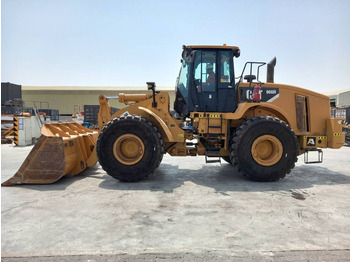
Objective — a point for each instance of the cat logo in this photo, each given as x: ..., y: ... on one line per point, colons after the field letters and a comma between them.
x: 311, y: 141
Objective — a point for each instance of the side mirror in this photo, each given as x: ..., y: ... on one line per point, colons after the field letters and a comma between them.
x: 151, y: 85
x: 188, y: 55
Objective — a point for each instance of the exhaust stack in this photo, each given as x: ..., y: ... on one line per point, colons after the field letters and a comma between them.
x: 271, y: 70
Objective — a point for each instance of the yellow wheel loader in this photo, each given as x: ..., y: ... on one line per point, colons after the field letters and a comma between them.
x: 258, y: 127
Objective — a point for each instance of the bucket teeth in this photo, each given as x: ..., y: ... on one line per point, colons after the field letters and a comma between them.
x: 15, y: 180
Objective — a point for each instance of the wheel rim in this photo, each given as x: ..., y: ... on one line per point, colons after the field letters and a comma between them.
x: 267, y: 150
x: 128, y: 149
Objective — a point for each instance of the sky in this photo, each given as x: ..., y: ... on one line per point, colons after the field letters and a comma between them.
x: 128, y: 43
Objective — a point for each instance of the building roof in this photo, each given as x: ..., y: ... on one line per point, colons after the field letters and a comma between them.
x: 224, y: 46
x: 336, y: 92
x: 94, y: 88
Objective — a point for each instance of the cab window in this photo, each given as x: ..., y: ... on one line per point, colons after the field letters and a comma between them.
x: 183, y: 79
x: 205, y: 70
x: 225, y: 68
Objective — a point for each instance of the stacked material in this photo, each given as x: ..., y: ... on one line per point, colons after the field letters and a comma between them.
x: 91, y: 115
x: 6, y: 129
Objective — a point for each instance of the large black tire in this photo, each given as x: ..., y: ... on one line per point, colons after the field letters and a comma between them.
x: 139, y: 128
x: 160, y: 160
x: 280, y: 160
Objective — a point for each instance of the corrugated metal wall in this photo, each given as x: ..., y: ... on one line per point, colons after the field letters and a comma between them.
x: 344, y: 99
x: 65, y: 100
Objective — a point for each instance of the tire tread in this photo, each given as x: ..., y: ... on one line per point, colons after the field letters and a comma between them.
x: 237, y: 137
x: 104, y: 157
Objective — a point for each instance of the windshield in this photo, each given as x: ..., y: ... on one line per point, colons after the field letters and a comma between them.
x: 183, y: 80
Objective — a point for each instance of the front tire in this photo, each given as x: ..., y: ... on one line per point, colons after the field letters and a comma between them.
x: 129, y: 148
x: 264, y: 149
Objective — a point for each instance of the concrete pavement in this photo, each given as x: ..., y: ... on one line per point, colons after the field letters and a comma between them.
x: 189, y: 210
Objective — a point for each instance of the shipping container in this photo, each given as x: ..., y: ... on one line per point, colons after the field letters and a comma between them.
x: 91, y: 113
x: 53, y: 113
x: 11, y: 92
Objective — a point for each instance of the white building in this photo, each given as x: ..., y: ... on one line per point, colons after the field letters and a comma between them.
x: 340, y: 98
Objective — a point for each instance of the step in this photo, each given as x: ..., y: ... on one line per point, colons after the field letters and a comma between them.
x: 212, y: 149
x: 213, y: 135
x: 319, y: 156
x: 213, y: 139
x: 217, y: 160
x: 213, y: 153
x: 213, y: 161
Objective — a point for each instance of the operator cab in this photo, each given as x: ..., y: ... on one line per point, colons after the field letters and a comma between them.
x: 206, y: 80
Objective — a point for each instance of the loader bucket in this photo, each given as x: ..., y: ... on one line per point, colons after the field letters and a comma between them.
x: 64, y: 149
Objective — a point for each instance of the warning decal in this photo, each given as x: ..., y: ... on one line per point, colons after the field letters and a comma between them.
x: 311, y: 141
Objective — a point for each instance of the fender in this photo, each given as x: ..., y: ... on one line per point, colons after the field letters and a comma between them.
x: 244, y: 107
x: 160, y: 121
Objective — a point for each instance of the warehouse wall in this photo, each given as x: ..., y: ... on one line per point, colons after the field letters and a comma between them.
x: 340, y: 97
x: 344, y: 99
x: 65, y: 100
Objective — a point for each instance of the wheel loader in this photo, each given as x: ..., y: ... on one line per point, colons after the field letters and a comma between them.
x: 260, y: 128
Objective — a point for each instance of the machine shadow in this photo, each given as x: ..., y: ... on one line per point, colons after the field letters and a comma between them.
x: 224, y: 179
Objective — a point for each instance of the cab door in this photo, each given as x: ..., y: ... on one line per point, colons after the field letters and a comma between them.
x: 226, y: 88
x: 205, y: 79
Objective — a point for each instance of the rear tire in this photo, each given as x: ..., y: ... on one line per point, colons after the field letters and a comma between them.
x: 264, y: 149
x: 129, y: 148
